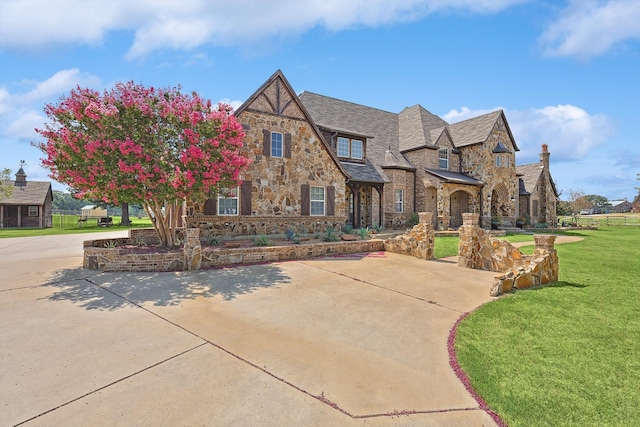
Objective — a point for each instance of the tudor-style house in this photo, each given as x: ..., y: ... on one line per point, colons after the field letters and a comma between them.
x: 318, y: 161
x: 29, y: 205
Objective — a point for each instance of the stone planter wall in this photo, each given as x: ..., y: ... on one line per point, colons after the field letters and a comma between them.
x: 417, y: 242
x: 477, y: 249
x: 98, y: 257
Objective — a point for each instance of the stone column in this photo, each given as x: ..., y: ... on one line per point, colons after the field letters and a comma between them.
x: 192, y: 249
x: 469, y: 246
x: 544, y: 242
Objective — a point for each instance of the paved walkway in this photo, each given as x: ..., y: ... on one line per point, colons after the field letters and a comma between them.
x: 344, y: 341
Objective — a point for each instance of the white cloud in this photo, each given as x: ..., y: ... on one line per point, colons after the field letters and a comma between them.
x: 186, y: 24
x: 234, y: 104
x: 588, y: 28
x: 21, y: 112
x: 571, y: 132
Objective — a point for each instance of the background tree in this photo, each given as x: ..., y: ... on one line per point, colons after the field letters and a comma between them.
x: 139, y: 145
x: 5, y: 190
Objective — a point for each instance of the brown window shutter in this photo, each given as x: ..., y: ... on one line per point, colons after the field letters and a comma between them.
x: 266, y: 143
x: 331, y: 201
x: 210, y: 207
x: 245, y: 198
x: 305, y: 200
x: 287, y: 145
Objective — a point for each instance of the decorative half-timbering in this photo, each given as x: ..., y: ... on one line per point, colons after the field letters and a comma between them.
x: 320, y: 161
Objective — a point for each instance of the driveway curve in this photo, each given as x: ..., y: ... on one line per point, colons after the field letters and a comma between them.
x: 357, y: 340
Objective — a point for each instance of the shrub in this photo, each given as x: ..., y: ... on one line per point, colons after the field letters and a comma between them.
x: 346, y: 228
x: 261, y: 241
x: 213, y: 240
x: 414, y: 219
x: 330, y: 235
x: 363, y: 233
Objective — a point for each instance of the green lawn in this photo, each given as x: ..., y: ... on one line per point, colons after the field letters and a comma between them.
x: 567, y: 354
x: 68, y: 224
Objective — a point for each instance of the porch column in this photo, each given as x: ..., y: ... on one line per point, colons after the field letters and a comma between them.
x: 1, y: 216
x: 19, y: 216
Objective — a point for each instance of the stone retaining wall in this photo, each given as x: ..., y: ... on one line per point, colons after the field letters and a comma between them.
x: 98, y: 257
x: 477, y: 249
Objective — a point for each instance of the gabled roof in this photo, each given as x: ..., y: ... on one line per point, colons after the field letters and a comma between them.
x: 29, y: 193
x: 349, y: 118
x: 279, y: 83
x: 415, y: 126
x: 454, y: 177
x: 476, y: 130
x: 393, y: 161
x: 529, y: 177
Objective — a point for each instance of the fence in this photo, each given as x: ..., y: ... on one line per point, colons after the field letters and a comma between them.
x: 609, y: 221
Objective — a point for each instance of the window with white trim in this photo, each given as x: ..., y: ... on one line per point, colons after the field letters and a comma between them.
x: 33, y: 211
x: 228, y: 202
x: 399, y: 201
x: 443, y: 158
x: 317, y: 201
x: 350, y: 148
x: 276, y: 144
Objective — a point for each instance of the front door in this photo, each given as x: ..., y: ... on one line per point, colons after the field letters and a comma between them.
x: 459, y: 205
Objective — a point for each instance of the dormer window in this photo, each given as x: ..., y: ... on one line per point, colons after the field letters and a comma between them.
x: 443, y: 158
x: 350, y: 148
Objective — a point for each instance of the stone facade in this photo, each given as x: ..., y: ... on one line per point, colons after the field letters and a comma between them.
x: 417, y: 242
x: 478, y: 250
x: 272, y: 196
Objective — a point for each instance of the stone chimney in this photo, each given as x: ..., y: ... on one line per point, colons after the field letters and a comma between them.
x: 544, y: 157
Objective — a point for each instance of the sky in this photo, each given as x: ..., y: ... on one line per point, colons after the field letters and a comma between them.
x: 566, y: 73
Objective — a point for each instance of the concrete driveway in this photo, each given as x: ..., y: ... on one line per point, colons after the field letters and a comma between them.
x: 353, y: 340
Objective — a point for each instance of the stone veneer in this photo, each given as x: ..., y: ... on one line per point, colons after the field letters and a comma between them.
x: 227, y: 226
x: 98, y: 257
x: 417, y: 242
x: 477, y: 249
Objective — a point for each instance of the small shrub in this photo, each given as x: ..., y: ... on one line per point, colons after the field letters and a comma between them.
x: 377, y: 228
x: 140, y: 242
x: 346, y: 228
x: 290, y: 234
x: 414, y: 219
x: 213, y: 240
x: 111, y: 244
x: 330, y: 235
x: 261, y: 241
x: 363, y: 233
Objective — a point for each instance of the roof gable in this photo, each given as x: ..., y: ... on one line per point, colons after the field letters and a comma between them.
x: 276, y: 96
x: 28, y: 193
x: 415, y: 127
x: 477, y: 129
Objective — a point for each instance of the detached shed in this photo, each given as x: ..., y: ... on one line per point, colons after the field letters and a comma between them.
x: 92, y: 211
x: 29, y: 206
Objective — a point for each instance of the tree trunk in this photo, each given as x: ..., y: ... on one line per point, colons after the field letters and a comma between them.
x: 125, y: 214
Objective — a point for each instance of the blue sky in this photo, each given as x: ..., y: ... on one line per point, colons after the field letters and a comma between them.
x: 567, y: 73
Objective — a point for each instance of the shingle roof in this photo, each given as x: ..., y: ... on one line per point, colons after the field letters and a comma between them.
x: 344, y: 116
x: 415, y: 126
x: 454, y: 177
x: 473, y: 131
x: 32, y: 193
x: 363, y: 172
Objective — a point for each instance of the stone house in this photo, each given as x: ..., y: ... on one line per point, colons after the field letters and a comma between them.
x: 320, y: 161
x: 538, y: 195
x: 30, y: 203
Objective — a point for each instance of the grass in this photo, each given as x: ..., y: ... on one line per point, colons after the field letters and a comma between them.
x: 567, y: 354
x: 68, y: 224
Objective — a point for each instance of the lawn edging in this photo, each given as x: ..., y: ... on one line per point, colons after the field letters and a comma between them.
x: 463, y: 377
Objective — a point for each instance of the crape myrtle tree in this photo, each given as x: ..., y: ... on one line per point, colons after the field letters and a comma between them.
x: 141, y: 145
